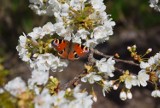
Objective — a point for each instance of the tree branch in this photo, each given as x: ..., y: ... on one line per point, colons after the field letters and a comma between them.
x: 73, y: 81
x: 117, y: 60
x: 91, y: 62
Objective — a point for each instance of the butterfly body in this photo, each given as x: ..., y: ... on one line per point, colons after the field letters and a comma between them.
x: 69, y: 50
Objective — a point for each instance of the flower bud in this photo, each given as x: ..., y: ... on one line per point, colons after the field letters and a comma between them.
x: 123, y: 95
x: 115, y: 87
x: 69, y: 89
x: 149, y: 50
x: 129, y: 48
x: 129, y: 94
x: 134, y: 47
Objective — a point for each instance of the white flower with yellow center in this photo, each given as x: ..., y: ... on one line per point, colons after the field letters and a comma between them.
x: 106, y: 86
x: 130, y: 81
x: 91, y: 78
x: 107, y: 67
x: 142, y: 78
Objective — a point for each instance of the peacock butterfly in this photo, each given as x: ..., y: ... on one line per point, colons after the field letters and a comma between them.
x: 69, y: 50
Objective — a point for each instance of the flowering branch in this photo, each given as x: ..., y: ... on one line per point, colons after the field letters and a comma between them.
x: 80, y: 25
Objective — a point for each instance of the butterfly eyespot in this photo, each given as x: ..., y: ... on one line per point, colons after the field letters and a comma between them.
x: 86, y: 49
x: 61, y: 52
x: 61, y: 41
x: 56, y: 41
x: 76, y: 55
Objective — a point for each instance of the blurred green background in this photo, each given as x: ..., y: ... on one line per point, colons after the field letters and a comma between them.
x: 136, y: 23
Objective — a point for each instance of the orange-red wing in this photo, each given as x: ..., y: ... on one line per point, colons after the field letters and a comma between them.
x: 77, y: 51
x: 61, y: 46
x: 81, y: 50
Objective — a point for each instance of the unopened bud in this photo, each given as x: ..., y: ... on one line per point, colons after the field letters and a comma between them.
x: 69, y: 89
x: 134, y: 47
x: 51, y: 77
x: 123, y: 95
x: 35, y: 55
x: 149, y: 50
x: 129, y: 48
x: 117, y: 55
x: 94, y: 95
x: 115, y: 87
x: 129, y: 94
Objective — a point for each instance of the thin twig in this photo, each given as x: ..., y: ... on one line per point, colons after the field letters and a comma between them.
x: 118, y: 60
x: 119, y: 70
x: 73, y: 81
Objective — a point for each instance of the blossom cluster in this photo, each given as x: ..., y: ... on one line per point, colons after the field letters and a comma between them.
x: 35, y: 49
x: 151, y: 67
x: 78, y: 20
x: 106, y: 69
x: 155, y: 4
x: 43, y: 99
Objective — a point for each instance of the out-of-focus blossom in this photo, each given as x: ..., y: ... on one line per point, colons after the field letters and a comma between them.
x: 16, y: 86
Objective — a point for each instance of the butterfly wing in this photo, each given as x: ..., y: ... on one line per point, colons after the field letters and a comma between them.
x: 77, y: 51
x: 61, y: 46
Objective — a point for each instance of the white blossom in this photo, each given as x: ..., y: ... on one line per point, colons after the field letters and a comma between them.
x: 38, y: 77
x: 130, y: 81
x: 106, y: 67
x: 39, y: 2
x: 46, y: 62
x: 62, y: 31
x: 16, y: 86
x: 82, y: 99
x: 82, y: 33
x: 59, y: 99
x: 91, y: 78
x: 144, y: 65
x: 40, y: 32
x: 142, y: 78
x: 37, y: 9
x: 1, y: 90
x: 48, y: 28
x: 91, y: 43
x: 98, y: 5
x: 42, y: 8
x: 23, y: 52
x: 155, y: 4
x: 77, y: 4
x: 43, y: 100
x: 37, y: 33
x: 106, y: 87
x: 155, y: 93
x: 152, y: 61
